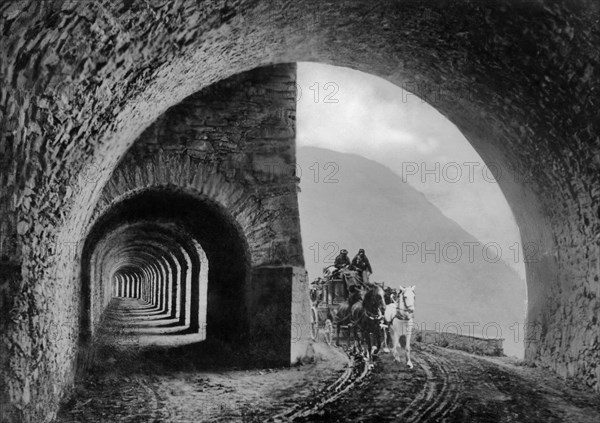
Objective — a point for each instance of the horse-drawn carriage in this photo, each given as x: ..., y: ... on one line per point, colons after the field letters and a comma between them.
x: 326, y: 294
x: 342, y: 300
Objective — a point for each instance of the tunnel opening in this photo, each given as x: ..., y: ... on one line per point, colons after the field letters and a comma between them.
x: 171, y: 251
x: 383, y: 170
x: 172, y: 264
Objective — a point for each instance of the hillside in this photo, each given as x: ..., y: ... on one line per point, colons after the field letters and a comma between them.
x: 353, y: 203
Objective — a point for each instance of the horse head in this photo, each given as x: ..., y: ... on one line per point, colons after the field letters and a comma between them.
x: 375, y: 300
x: 390, y: 295
x: 407, y: 298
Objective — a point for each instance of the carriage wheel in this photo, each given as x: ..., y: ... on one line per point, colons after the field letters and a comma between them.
x: 314, y: 323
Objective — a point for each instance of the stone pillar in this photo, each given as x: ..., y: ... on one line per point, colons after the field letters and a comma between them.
x: 162, y: 281
x: 152, y: 286
x: 146, y: 287
x: 186, y: 281
x: 176, y: 286
x: 279, y: 310
x: 169, y: 283
x: 156, y: 286
x: 300, y: 346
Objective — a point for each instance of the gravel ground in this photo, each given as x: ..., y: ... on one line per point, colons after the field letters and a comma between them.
x: 161, y: 379
x: 168, y: 381
x: 452, y: 386
x: 146, y: 392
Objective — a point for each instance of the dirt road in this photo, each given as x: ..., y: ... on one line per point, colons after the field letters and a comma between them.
x: 444, y: 386
x: 451, y: 386
x: 169, y: 382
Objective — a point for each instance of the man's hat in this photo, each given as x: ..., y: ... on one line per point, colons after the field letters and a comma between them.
x: 361, y: 251
x: 343, y: 251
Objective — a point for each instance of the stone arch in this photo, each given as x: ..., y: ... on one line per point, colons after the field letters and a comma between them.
x: 188, y: 265
x: 518, y: 79
x: 185, y: 220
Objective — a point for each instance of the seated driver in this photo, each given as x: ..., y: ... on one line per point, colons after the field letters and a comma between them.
x: 342, y: 260
x: 361, y: 263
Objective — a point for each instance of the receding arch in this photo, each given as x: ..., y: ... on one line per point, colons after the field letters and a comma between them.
x: 153, y: 224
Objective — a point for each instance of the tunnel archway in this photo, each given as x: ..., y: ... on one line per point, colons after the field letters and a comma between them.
x: 140, y: 233
x: 175, y: 250
x: 377, y: 151
x: 518, y: 79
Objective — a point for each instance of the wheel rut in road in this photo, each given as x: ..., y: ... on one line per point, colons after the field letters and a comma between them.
x: 451, y: 386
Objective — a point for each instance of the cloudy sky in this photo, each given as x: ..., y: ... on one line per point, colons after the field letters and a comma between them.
x: 353, y: 112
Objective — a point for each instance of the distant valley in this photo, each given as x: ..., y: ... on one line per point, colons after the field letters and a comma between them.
x: 347, y: 201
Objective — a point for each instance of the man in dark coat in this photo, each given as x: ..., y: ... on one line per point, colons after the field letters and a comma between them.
x: 342, y: 260
x: 361, y: 263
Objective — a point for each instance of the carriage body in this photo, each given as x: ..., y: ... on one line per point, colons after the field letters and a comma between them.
x: 326, y: 294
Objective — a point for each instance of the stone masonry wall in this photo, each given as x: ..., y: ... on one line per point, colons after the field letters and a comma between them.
x: 81, y: 80
x: 470, y: 344
x: 232, y: 143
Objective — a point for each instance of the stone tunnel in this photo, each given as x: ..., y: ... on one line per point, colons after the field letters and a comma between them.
x: 146, y: 151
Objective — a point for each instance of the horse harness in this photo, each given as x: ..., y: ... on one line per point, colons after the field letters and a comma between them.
x: 373, y: 316
x: 369, y: 315
x: 402, y: 314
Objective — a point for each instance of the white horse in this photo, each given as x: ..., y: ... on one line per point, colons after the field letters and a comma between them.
x: 399, y: 317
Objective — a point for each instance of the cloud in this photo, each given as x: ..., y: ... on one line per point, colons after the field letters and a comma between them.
x: 364, y: 109
x: 353, y: 112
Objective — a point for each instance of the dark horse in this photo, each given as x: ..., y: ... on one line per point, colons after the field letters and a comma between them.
x: 364, y: 312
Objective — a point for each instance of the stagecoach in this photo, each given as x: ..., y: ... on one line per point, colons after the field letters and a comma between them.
x: 327, y: 292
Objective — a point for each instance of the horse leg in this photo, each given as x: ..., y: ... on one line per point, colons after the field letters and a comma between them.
x: 360, y: 340
x: 353, y: 338
x: 360, y: 337
x: 372, y: 346
x: 386, y: 348
x: 366, y: 342
x: 376, y: 333
x: 395, y: 332
x: 378, y: 337
x: 369, y: 346
x: 408, y: 334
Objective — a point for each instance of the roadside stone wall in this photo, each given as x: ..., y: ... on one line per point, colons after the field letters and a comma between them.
x: 80, y: 81
x: 470, y: 344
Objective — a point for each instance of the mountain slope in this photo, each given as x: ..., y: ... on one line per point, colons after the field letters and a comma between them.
x: 352, y: 203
